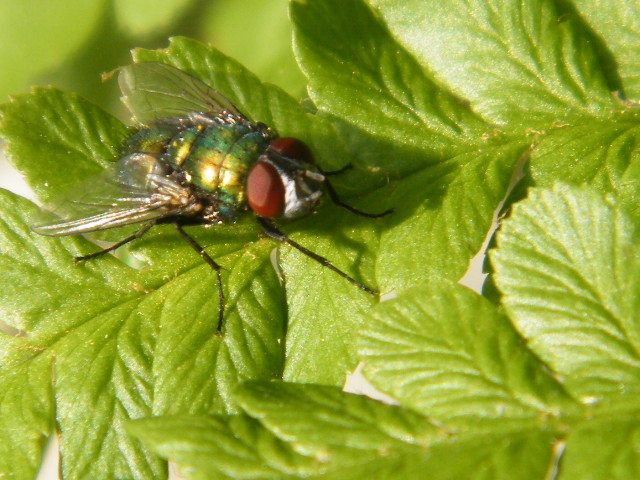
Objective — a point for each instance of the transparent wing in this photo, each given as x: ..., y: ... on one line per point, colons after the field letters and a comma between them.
x: 155, y: 91
x: 137, y: 190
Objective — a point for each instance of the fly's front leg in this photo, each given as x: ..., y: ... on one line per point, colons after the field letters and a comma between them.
x: 117, y: 245
x: 336, y: 199
x: 269, y: 228
x: 211, y: 262
x: 331, y: 173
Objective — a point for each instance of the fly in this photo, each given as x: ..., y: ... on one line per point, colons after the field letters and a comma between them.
x: 196, y: 160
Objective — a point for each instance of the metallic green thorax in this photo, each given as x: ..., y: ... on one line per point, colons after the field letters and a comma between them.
x: 215, y: 159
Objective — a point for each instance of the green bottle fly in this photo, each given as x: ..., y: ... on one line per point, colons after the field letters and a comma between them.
x: 196, y: 160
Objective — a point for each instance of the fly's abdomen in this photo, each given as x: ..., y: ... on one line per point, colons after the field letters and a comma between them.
x: 180, y: 146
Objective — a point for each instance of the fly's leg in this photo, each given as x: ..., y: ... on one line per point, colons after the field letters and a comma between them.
x: 269, y: 228
x: 348, y: 166
x: 117, y: 245
x: 211, y: 262
x: 336, y: 199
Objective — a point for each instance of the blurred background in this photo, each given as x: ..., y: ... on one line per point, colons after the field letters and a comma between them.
x: 70, y: 43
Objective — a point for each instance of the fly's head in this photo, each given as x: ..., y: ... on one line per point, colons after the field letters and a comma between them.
x: 284, y: 182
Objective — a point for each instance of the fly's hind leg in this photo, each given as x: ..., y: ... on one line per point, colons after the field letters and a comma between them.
x: 212, y: 263
x: 270, y: 229
x: 117, y: 245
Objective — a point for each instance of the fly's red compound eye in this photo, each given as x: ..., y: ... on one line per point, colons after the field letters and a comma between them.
x: 292, y: 148
x: 265, y: 191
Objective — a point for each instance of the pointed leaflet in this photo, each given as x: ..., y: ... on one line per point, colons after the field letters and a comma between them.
x: 521, y: 64
x: 45, y: 130
x: 338, y: 429
x: 568, y: 266
x: 234, y: 447
x: 450, y: 354
x: 240, y: 447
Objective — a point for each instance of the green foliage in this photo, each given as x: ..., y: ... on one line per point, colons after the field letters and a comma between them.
x: 335, y: 433
x: 31, y: 43
x: 590, y: 247
x: 436, y: 107
x: 56, y: 43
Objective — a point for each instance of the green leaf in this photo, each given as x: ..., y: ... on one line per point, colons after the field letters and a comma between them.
x: 110, y: 333
x: 603, y: 449
x: 346, y: 432
x: 49, y: 128
x: 309, y: 431
x: 325, y: 310
x: 617, y: 24
x: 604, y: 156
x: 233, y: 447
x: 194, y: 370
x: 568, y: 266
x: 321, y: 416
x: 450, y: 354
x: 521, y: 65
x: 434, y: 106
x: 343, y: 49
x: 89, y: 323
x: 26, y: 406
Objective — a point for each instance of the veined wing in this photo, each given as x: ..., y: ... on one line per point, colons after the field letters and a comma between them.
x: 155, y: 91
x: 136, y: 191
